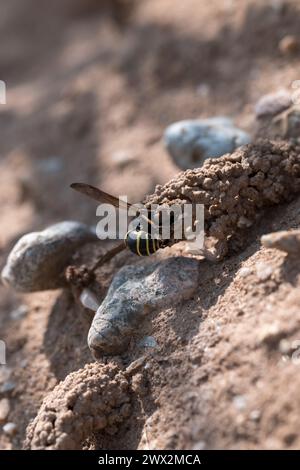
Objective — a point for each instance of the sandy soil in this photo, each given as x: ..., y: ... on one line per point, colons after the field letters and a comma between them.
x: 86, y: 81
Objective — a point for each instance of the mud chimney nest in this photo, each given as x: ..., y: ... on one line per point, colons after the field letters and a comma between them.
x: 235, y: 188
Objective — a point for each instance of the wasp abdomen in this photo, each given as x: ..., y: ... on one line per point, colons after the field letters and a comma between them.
x: 141, y: 243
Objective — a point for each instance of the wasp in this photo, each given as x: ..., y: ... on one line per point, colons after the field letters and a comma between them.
x: 138, y: 240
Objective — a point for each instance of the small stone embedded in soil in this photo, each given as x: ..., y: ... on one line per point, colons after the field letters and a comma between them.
x: 273, y: 103
x: 7, y: 387
x: 123, y: 158
x: 134, y: 292
x: 38, y: 260
x: 190, y: 142
x: 263, y: 271
x: 148, y: 342
x: 51, y: 164
x: 135, y: 366
x: 239, y: 401
x: 255, y: 415
x: 4, y: 409
x: 10, y: 429
x: 5, y: 373
x: 245, y: 272
x: 270, y: 334
x: 287, y: 241
x: 19, y: 312
x: 200, y: 445
x: 289, y: 44
x: 284, y: 346
x: 89, y: 300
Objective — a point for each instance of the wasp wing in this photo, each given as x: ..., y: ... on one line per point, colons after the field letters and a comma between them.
x: 99, y: 195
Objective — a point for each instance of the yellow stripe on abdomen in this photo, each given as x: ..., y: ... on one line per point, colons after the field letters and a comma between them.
x: 138, y: 240
x: 147, y: 246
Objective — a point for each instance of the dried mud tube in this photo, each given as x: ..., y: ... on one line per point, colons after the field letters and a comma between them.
x: 236, y: 187
x: 91, y: 399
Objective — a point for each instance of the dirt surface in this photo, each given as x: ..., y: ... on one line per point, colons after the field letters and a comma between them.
x: 88, y: 82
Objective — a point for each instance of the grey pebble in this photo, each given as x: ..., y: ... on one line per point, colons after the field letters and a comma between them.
x: 19, y: 312
x: 269, y: 334
x: 200, y: 445
x: 255, y: 415
x: 38, y: 259
x: 51, y: 164
x: 134, y: 292
x: 148, y: 342
x: 190, y: 142
x: 89, y: 300
x: 10, y: 429
x: 263, y: 271
x: 239, y: 401
x: 273, y: 103
x: 5, y: 373
x: 122, y: 158
x: 245, y: 272
x: 7, y: 387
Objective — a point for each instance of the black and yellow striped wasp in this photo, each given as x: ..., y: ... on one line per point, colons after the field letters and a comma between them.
x: 138, y: 240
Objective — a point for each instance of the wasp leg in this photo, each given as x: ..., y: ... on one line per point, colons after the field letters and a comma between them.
x: 108, y: 256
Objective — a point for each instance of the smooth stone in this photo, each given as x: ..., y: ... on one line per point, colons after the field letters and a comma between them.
x: 264, y: 271
x: 38, y: 260
x: 7, y: 387
x: 134, y: 292
x: 10, y: 429
x: 273, y: 103
x: 148, y: 342
x: 51, y: 164
x: 5, y: 373
x: 89, y: 300
x: 190, y: 142
x: 289, y: 45
x: 19, y: 312
x: 240, y: 402
x: 122, y: 158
